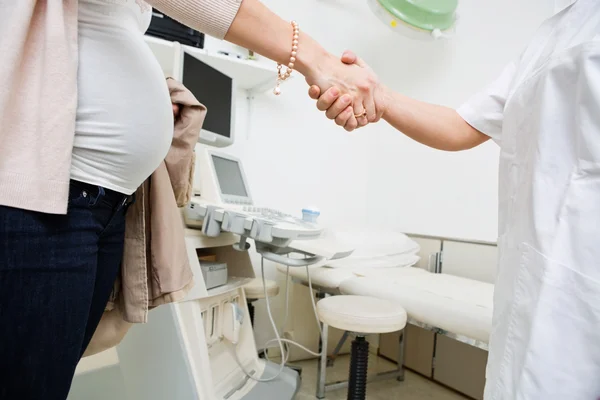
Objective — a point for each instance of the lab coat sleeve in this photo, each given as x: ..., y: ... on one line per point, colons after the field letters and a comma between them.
x: 485, y: 110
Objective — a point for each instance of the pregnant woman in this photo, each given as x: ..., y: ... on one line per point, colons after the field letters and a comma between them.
x: 85, y: 118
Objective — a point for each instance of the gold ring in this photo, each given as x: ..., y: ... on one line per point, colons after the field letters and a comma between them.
x: 363, y: 114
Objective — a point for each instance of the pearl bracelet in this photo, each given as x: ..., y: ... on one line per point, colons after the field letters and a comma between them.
x: 290, y: 67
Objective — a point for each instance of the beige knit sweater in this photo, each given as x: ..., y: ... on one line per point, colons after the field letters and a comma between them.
x: 38, y: 91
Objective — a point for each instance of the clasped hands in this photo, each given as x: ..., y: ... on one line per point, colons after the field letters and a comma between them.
x: 348, y: 91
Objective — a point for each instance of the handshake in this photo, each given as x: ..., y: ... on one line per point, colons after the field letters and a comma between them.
x: 347, y: 91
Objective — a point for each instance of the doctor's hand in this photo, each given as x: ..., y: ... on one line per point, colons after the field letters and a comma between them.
x: 350, y: 89
x: 341, y: 106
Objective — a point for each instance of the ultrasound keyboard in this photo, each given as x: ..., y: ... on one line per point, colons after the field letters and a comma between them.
x: 262, y: 224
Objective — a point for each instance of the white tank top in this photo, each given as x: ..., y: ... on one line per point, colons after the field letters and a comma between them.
x: 124, y: 120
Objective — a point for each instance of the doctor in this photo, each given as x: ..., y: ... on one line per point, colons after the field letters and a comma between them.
x: 544, y: 112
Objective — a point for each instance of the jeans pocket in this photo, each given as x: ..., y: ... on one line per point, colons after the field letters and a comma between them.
x: 83, y: 195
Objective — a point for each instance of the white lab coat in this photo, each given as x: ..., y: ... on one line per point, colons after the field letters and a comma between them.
x: 544, y: 111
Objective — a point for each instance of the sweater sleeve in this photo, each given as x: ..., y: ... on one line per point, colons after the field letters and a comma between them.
x: 212, y: 17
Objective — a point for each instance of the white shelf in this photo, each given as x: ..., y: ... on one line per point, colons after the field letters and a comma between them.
x: 232, y: 283
x: 199, y: 241
x: 250, y: 75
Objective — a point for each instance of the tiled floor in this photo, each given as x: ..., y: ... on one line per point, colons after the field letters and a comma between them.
x: 108, y: 383
x: 414, y: 387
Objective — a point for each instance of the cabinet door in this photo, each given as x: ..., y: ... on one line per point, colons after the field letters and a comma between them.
x: 418, y: 352
x: 460, y: 366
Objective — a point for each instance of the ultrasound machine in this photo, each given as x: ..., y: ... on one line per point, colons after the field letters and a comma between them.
x: 204, y: 347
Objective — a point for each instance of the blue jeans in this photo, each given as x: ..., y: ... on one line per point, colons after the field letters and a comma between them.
x: 56, y: 275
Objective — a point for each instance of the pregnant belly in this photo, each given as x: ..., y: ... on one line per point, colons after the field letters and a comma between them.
x: 124, y: 122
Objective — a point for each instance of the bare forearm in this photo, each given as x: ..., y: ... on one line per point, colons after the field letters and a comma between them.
x: 249, y: 24
x: 434, y: 126
x: 259, y: 29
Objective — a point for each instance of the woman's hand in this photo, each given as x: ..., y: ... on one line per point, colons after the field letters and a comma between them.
x: 175, y: 111
x: 352, y: 93
x: 435, y: 126
x: 352, y: 89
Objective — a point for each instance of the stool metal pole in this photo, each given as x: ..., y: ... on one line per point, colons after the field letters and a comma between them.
x: 359, y: 363
x: 338, y: 348
x: 322, y: 366
x: 251, y: 311
x: 401, y: 354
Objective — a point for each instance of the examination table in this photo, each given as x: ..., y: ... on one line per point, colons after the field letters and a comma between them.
x: 453, y: 306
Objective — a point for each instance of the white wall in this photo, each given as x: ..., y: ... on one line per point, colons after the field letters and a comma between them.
x: 295, y: 157
x: 427, y: 191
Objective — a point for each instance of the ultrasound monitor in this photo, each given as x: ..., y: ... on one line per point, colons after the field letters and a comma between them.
x: 217, y: 92
x: 231, y: 180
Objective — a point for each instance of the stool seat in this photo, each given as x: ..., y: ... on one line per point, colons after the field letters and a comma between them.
x: 254, y: 289
x: 362, y: 314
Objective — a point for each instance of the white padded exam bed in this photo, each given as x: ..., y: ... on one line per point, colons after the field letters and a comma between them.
x: 456, y: 306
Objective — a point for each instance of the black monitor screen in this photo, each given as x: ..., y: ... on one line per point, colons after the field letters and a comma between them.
x: 214, y: 90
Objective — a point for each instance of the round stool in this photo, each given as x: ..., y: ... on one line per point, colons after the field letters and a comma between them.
x: 254, y: 290
x: 363, y: 316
